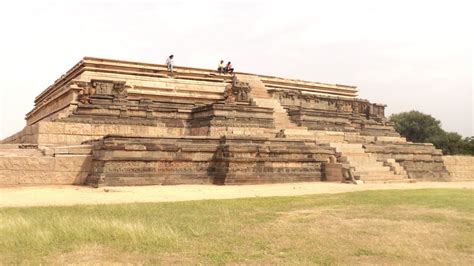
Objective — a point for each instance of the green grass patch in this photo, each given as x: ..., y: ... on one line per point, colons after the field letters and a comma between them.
x: 391, y: 226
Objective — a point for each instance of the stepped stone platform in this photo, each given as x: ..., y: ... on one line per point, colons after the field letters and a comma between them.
x: 111, y: 122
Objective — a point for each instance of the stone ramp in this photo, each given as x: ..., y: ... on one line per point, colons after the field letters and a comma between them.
x: 366, y: 165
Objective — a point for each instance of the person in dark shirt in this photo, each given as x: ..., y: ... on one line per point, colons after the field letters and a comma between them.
x: 228, y: 68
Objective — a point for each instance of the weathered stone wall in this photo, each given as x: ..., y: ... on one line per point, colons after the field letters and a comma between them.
x: 119, y: 160
x: 259, y: 160
x: 230, y: 119
x: 35, y: 170
x: 61, y: 104
x: 64, y: 133
x: 460, y: 167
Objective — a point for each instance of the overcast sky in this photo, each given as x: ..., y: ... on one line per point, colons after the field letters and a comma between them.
x: 410, y: 55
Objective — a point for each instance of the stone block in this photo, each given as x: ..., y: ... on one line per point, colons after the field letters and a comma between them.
x: 34, y: 128
x: 30, y: 177
x: 42, y: 139
x: 8, y: 177
x: 113, y: 129
x: 137, y: 130
x: 68, y: 177
x: 98, y: 130
x: 390, y: 139
x: 30, y: 139
x: 72, y: 163
x: 26, y: 163
x: 50, y: 127
x: 332, y: 172
x: 28, y: 130
x: 77, y: 129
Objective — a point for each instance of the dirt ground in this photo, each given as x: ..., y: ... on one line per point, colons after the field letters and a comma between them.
x: 23, y: 196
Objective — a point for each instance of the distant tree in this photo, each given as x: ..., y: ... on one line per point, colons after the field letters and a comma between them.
x: 416, y: 126
x: 448, y: 142
x: 419, y: 127
x: 467, y: 146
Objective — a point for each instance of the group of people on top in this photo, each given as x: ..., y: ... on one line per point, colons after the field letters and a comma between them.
x: 221, y: 68
x: 225, y: 69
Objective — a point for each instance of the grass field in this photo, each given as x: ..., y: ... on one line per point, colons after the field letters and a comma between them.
x: 429, y: 226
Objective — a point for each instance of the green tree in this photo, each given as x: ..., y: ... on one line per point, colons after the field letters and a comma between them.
x: 448, y: 142
x: 416, y: 126
x: 419, y: 127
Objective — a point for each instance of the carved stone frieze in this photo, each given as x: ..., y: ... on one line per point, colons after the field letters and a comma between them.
x: 337, y: 104
x: 237, y: 91
x: 117, y: 89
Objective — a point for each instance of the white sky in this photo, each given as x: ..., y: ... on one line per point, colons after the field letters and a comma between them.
x: 406, y: 54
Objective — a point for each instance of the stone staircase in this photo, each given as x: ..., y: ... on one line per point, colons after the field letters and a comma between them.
x: 367, y: 168
x: 395, y: 167
x: 261, y: 97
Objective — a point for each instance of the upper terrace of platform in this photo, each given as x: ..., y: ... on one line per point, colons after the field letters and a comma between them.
x: 126, y: 69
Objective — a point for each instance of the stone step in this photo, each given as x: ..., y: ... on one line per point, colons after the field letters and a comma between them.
x: 405, y: 180
x: 270, y: 103
x: 349, y: 150
x: 378, y: 176
x: 361, y: 157
x: 366, y: 165
x: 371, y: 168
x: 349, y: 147
x: 265, y: 180
x: 20, y: 152
x: 398, y: 171
x: 353, y: 151
x: 260, y: 96
x: 298, y: 132
x: 328, y: 136
x: 358, y: 158
x: 8, y: 146
x: 76, y: 149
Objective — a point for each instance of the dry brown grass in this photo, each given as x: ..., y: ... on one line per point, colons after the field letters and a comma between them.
x: 423, y: 227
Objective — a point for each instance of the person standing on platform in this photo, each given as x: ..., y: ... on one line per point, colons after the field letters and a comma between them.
x: 170, y: 63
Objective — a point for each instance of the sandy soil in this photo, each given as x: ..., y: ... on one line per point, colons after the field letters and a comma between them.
x: 72, y: 195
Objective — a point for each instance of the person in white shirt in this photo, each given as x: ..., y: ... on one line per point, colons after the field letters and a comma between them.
x: 220, y: 67
x: 170, y: 63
